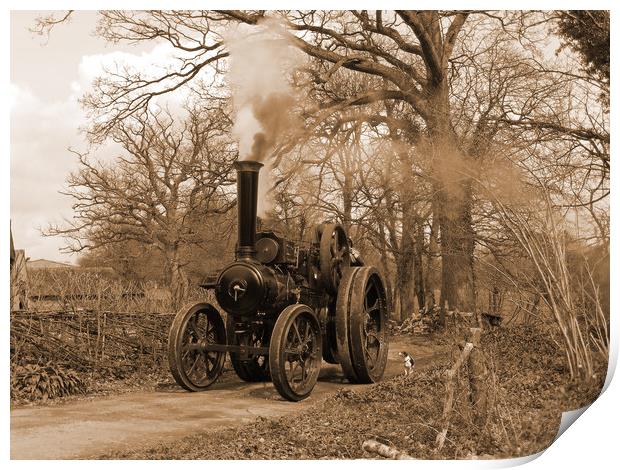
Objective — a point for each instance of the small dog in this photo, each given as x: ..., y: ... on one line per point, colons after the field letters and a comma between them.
x: 408, y: 361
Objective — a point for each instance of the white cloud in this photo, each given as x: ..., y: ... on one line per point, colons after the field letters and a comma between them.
x: 150, y: 64
x: 20, y: 98
x: 41, y: 133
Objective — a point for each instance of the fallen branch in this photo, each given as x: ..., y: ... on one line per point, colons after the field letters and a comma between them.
x: 388, y: 452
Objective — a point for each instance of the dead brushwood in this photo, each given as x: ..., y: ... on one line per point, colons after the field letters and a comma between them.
x: 545, y: 244
x: 33, y: 382
x: 90, y: 340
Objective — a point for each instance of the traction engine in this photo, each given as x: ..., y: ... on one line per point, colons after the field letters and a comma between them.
x: 288, y: 307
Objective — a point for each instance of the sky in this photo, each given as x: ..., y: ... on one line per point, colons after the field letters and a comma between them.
x: 47, y: 77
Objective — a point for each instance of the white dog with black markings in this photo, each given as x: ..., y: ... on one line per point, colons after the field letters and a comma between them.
x: 408, y: 362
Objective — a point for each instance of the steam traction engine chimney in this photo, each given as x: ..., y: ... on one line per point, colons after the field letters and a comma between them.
x: 247, y: 194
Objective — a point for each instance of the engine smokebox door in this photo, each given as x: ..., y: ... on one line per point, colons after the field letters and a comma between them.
x: 240, y: 288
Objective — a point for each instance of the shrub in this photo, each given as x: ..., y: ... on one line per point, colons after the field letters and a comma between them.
x: 41, y: 382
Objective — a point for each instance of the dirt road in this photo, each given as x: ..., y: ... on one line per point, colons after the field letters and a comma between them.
x: 90, y: 427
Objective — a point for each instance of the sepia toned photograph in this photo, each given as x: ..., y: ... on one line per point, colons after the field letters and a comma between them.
x: 306, y: 234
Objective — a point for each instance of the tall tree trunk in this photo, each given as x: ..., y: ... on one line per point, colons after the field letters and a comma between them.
x: 405, y: 270
x: 453, y: 193
x: 302, y: 226
x: 405, y: 286
x: 457, y: 250
x: 420, y: 288
x: 433, y: 253
x: 386, y: 270
x: 347, y: 200
x: 176, y: 278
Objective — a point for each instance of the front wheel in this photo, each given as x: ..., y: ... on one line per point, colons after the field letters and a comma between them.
x: 194, y: 367
x: 295, y: 352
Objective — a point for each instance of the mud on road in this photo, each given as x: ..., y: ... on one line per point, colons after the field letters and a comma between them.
x: 87, y: 428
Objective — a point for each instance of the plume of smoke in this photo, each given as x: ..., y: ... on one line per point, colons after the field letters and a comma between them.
x: 263, y: 98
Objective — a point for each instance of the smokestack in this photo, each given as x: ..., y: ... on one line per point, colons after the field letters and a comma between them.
x: 247, y: 193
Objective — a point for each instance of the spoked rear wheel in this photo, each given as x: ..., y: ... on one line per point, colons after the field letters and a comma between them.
x: 343, y: 315
x: 368, y: 326
x: 295, y: 352
x: 255, y: 368
x: 192, y: 366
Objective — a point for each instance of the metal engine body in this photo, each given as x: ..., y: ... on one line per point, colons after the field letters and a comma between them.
x: 279, y: 274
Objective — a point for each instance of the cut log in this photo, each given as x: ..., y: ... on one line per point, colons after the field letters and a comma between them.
x: 388, y: 452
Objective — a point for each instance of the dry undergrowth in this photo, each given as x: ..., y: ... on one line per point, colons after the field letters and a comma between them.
x: 530, y: 384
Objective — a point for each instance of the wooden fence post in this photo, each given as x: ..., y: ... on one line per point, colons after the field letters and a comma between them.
x: 450, y: 384
x: 478, y: 373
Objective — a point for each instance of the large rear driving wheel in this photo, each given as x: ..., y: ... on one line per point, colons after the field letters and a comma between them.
x: 368, y: 326
x: 295, y: 352
x: 343, y: 314
x: 256, y: 367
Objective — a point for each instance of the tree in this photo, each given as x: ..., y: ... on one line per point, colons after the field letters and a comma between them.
x: 587, y: 33
x: 157, y: 192
x: 425, y: 66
